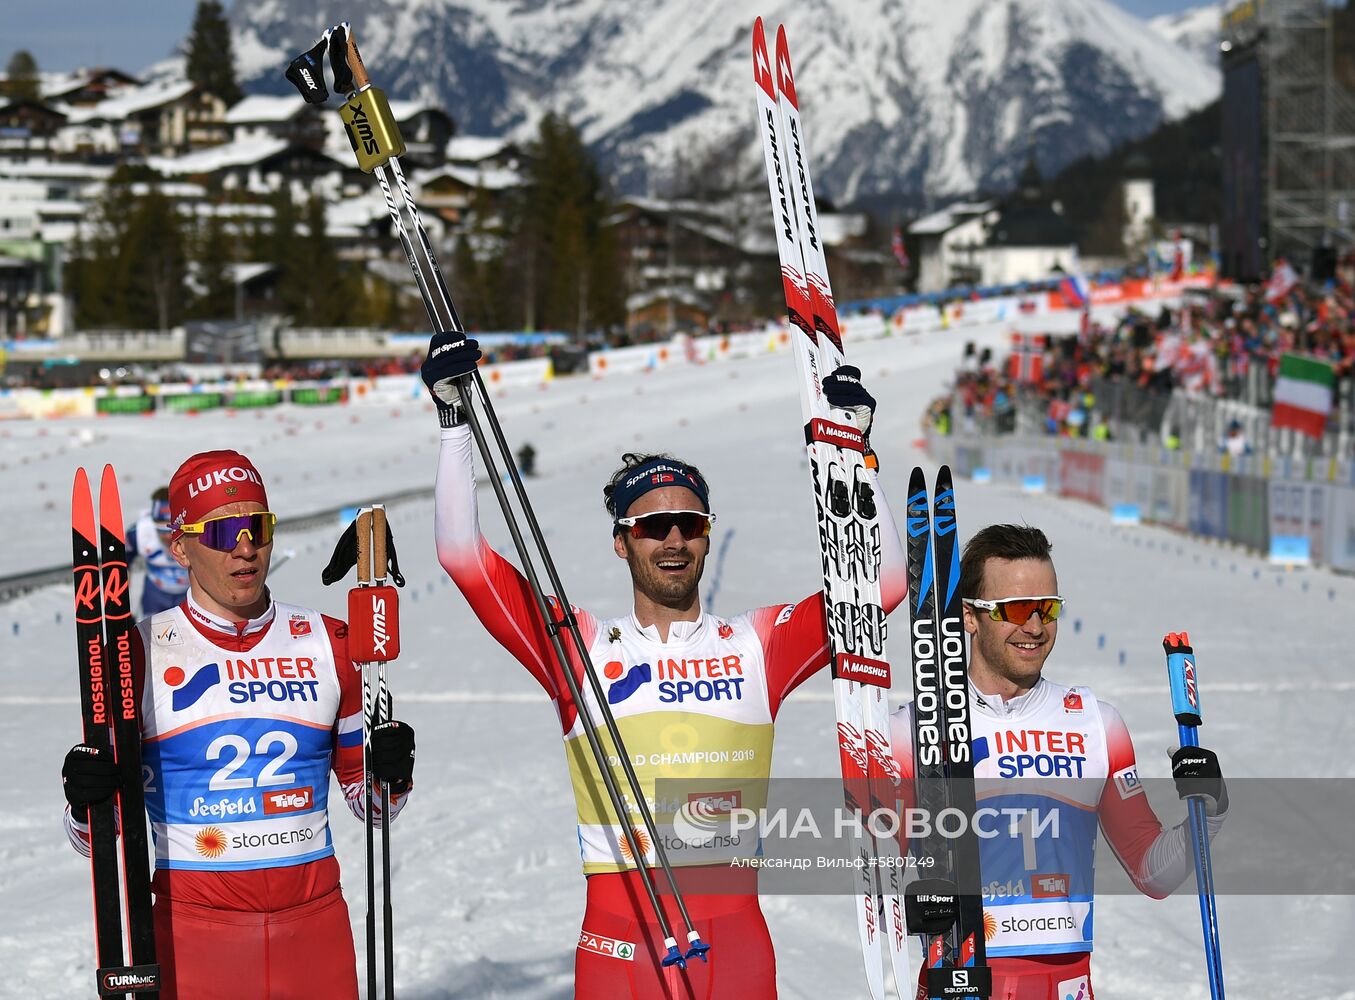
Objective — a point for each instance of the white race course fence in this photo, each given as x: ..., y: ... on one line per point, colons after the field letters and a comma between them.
x: 1296, y: 511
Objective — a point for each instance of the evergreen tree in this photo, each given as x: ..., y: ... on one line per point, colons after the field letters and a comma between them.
x: 211, y: 64
x: 214, y: 256
x: 128, y: 270
x: 565, y: 257
x: 21, y: 77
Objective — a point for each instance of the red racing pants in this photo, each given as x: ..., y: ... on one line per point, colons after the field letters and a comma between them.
x: 299, y: 953
x: 621, y: 947
x: 1037, y: 977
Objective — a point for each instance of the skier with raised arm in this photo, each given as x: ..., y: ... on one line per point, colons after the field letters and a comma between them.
x: 695, y: 695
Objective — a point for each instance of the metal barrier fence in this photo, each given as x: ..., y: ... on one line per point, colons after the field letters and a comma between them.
x: 1296, y: 509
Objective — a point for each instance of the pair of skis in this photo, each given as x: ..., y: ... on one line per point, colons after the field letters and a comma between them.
x: 849, y: 523
x: 947, y: 909
x: 849, y: 520
x: 110, y: 712
x: 377, y: 144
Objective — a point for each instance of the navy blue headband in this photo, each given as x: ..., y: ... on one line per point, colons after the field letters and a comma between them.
x: 654, y: 475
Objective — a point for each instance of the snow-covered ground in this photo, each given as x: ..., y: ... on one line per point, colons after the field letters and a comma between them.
x: 487, y: 888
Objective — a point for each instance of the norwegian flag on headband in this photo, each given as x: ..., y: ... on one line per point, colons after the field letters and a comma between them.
x: 900, y: 251
x: 1026, y: 362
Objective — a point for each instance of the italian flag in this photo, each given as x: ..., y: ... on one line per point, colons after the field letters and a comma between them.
x: 1303, y: 395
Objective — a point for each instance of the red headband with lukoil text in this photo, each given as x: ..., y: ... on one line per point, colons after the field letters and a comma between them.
x: 212, y: 479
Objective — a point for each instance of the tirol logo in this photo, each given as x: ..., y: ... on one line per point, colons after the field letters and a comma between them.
x: 724, y: 630
x: 289, y: 800
x: 1072, y: 702
x: 1053, y: 886
x: 623, y: 687
x: 187, y: 694
x: 299, y: 625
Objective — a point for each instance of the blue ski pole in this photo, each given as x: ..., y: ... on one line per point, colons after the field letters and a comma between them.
x: 1186, y: 705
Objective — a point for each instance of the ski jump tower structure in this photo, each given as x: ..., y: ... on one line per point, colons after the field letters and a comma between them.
x: 1288, y: 139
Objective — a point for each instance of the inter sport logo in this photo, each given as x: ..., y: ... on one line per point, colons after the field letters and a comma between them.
x: 188, y: 693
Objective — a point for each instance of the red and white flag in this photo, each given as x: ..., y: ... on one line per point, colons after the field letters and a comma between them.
x: 1026, y: 362
x: 900, y: 251
x: 1282, y: 280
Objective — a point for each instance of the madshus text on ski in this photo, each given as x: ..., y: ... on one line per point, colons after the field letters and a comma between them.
x: 235, y: 785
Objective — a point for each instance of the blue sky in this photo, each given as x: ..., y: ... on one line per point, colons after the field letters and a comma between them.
x: 67, y: 34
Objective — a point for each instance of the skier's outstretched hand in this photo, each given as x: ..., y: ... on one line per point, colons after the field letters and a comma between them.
x: 1197, y: 775
x: 451, y: 356
x: 393, y: 755
x: 89, y: 776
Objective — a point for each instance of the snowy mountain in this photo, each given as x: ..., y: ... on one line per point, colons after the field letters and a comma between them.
x: 1195, y: 30
x: 930, y: 98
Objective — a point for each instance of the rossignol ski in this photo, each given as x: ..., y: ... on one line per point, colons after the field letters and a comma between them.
x: 946, y: 907
x: 848, y: 519
x: 110, y: 710
x: 375, y: 137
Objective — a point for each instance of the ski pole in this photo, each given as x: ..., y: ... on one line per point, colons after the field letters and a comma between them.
x: 376, y: 142
x: 373, y: 638
x: 386, y: 712
x: 1185, y: 692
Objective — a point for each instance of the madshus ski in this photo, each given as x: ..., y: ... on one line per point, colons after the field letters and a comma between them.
x: 848, y: 518
x: 109, y: 704
x: 947, y: 907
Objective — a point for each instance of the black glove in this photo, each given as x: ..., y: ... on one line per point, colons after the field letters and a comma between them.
x: 843, y: 389
x: 345, y: 557
x: 393, y: 755
x: 451, y: 356
x: 1197, y: 774
x: 88, y: 776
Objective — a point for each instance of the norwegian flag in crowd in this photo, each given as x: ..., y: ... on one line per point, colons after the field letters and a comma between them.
x: 1075, y: 290
x: 1178, y: 257
x: 900, y: 251
x: 1282, y: 281
x: 1026, y: 362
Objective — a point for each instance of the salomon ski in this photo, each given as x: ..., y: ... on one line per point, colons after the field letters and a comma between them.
x: 946, y: 908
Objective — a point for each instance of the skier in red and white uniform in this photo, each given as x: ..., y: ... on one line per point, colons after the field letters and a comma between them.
x: 247, y: 705
x: 695, y: 696
x: 1043, y: 749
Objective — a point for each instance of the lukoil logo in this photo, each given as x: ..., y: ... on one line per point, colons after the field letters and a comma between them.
x: 188, y: 693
